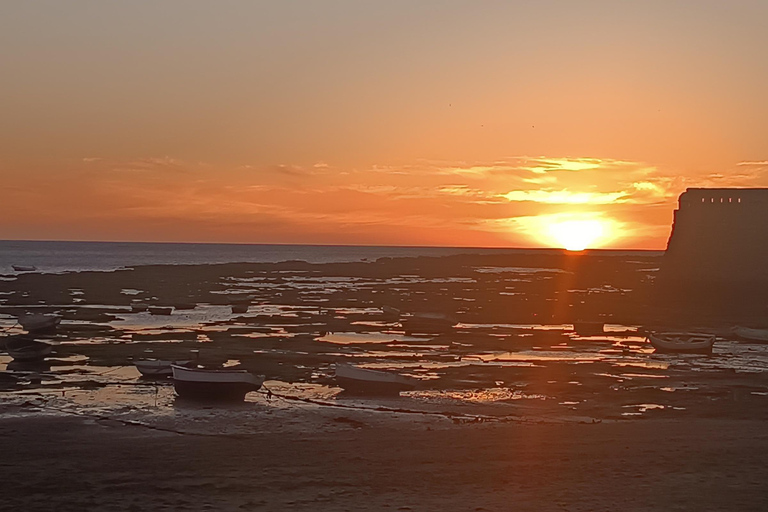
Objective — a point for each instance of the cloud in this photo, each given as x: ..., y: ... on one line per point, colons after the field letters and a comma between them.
x: 565, y: 197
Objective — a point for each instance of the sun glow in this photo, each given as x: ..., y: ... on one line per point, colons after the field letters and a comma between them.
x: 577, y: 235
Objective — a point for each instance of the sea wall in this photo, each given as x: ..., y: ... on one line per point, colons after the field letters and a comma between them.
x: 716, y: 254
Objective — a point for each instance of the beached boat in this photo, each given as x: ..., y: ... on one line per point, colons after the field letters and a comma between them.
x: 24, y: 348
x: 223, y: 384
x: 138, y: 308
x: 160, y: 310
x: 682, y: 342
x: 589, y: 328
x: 363, y: 380
x: 39, y: 323
x: 427, y: 323
x: 751, y: 334
x: 157, y: 368
x: 24, y: 268
x: 240, y: 308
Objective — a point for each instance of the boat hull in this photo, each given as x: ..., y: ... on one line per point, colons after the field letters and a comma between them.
x: 697, y: 344
x: 751, y: 335
x: 589, y: 328
x: 214, y: 385
x: 367, y: 387
x: 356, y: 380
x: 213, y: 391
x: 31, y: 351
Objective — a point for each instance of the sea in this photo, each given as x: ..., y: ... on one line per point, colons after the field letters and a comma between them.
x: 64, y: 256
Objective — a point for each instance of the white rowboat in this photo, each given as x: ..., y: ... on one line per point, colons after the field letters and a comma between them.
x: 682, y: 342
x: 363, y: 380
x: 224, y: 384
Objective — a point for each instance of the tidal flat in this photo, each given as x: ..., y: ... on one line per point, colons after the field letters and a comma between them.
x: 513, y: 409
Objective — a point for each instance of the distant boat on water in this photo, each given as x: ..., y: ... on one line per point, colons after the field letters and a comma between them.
x: 223, y: 384
x: 39, y: 323
x: 682, y: 342
x: 363, y: 380
x: 751, y: 334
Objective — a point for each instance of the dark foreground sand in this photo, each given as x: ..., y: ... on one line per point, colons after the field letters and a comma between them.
x: 65, y: 463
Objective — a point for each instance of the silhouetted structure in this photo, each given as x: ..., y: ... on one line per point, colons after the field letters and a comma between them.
x: 715, y: 263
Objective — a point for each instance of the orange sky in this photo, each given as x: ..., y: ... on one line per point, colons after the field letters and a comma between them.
x: 460, y: 123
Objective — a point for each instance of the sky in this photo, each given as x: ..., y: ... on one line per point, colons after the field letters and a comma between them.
x: 390, y: 122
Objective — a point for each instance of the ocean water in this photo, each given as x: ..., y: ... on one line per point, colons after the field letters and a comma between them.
x: 50, y: 256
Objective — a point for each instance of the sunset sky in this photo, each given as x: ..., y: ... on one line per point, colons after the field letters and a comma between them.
x: 389, y: 122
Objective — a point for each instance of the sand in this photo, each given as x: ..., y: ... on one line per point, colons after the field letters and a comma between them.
x: 363, y: 463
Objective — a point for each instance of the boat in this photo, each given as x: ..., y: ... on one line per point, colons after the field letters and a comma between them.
x: 240, y: 308
x: 589, y: 328
x: 24, y: 348
x: 23, y: 268
x: 427, y: 323
x: 39, y: 323
x: 390, y: 313
x: 221, y: 384
x: 751, y: 334
x: 157, y: 368
x: 160, y: 310
x: 185, y: 306
x: 682, y: 342
x: 365, y: 381
x: 138, y: 308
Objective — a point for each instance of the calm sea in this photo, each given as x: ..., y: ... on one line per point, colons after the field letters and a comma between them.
x: 76, y: 256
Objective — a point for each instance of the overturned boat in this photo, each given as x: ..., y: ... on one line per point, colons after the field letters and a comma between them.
x: 682, y: 342
x: 365, y: 381
x: 751, y: 334
x: 157, y: 368
x: 39, y: 323
x: 221, y: 384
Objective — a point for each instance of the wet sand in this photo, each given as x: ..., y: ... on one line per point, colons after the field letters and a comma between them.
x: 363, y: 463
x: 514, y: 410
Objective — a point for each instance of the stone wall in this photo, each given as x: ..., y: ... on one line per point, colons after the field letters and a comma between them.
x: 717, y: 254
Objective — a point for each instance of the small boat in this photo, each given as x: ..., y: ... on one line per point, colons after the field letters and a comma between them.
x: 24, y: 348
x: 156, y: 368
x: 160, y: 310
x: 240, y: 308
x: 138, y: 308
x: 427, y: 323
x: 222, y: 384
x: 589, y: 328
x: 751, y: 334
x: 185, y: 306
x: 39, y: 323
x: 363, y: 380
x: 682, y: 342
x: 390, y: 312
x: 24, y: 268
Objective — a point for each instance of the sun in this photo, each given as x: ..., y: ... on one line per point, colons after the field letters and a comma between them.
x: 577, y: 235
